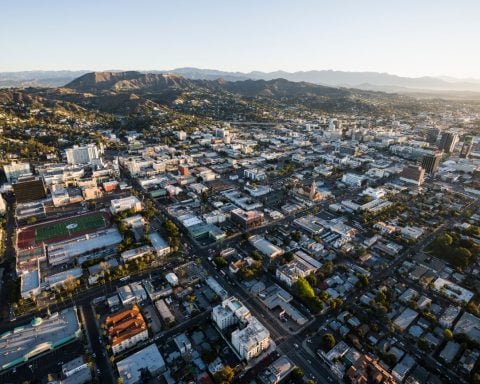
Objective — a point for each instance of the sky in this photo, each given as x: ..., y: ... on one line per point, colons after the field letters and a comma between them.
x: 407, y: 38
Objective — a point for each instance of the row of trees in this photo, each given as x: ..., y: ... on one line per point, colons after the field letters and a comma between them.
x: 173, y: 234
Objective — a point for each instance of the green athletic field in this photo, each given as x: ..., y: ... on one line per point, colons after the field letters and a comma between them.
x: 79, y: 224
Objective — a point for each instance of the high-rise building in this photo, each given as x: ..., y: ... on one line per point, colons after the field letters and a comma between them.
x: 466, y: 147
x: 448, y: 142
x: 82, y: 155
x: 432, y: 135
x: 413, y: 174
x: 431, y: 162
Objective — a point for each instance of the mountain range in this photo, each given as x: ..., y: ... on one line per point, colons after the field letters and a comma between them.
x: 374, y: 81
x: 133, y: 92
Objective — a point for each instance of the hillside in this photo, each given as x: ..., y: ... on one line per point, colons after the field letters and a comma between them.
x: 126, y: 81
x: 132, y: 92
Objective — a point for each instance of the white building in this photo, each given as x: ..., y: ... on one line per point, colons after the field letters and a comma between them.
x: 82, y: 155
x: 265, y: 247
x: 375, y: 193
x: 135, y: 253
x: 249, y: 341
x: 230, y: 312
x: 252, y: 340
x: 159, y: 245
x: 255, y: 174
x: 124, y: 204
x: 14, y: 170
x: 353, y: 179
x: 298, y: 267
x: 172, y: 279
x: 411, y: 232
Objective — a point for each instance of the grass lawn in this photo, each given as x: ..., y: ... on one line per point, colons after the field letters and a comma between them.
x: 70, y: 227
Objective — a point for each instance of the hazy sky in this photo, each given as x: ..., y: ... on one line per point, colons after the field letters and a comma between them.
x: 408, y: 38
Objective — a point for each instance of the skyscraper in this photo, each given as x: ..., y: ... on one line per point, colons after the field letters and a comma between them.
x: 432, y: 135
x: 431, y: 162
x: 448, y: 142
x: 466, y: 147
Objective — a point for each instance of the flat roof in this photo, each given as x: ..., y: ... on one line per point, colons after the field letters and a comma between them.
x: 87, y: 243
x: 130, y: 368
x: 40, y: 335
x: 29, y: 281
x: 158, y: 242
x: 406, y: 318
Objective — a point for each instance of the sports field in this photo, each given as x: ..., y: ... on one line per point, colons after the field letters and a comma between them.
x: 67, y: 228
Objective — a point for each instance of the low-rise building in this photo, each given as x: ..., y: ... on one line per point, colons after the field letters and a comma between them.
x: 247, y: 219
x: 159, y: 245
x: 469, y: 325
x: 135, y: 253
x: 265, y: 247
x: 277, y: 371
x: 366, y: 370
x: 183, y: 343
x: 125, y: 204
x: 126, y: 329
x: 165, y: 313
x: 40, y: 336
x: 147, y: 359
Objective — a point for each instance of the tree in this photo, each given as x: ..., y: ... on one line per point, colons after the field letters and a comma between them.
x: 287, y: 257
x: 304, y: 289
x: 423, y: 344
x: 312, y: 280
x: 225, y: 375
x: 447, y: 334
x: 31, y: 220
x: 328, y: 341
x: 390, y: 359
x: 297, y: 373
x: 220, y: 262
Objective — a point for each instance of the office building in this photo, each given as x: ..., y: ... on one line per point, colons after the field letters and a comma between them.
x: 448, y: 141
x: 431, y: 162
x: 432, y: 135
x: 413, y: 174
x: 466, y: 147
x: 82, y: 155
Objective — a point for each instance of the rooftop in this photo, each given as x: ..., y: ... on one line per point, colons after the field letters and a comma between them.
x: 25, y: 342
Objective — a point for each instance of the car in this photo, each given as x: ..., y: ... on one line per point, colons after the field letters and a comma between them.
x: 295, y: 345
